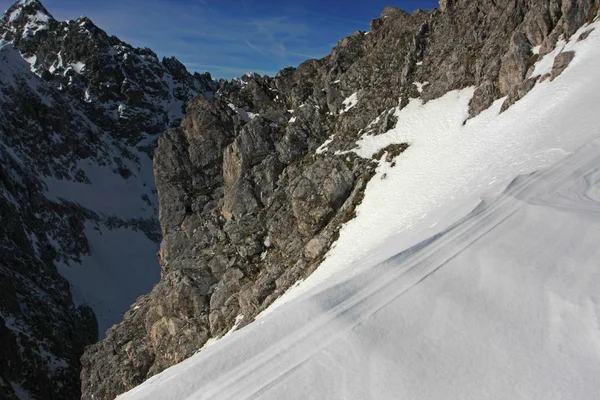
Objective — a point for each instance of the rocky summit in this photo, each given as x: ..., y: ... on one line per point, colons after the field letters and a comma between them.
x: 254, y: 176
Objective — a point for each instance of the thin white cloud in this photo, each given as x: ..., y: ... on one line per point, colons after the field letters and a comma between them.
x: 253, y: 47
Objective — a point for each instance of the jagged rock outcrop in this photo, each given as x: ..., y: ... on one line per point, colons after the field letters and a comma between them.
x: 80, y: 113
x: 256, y: 182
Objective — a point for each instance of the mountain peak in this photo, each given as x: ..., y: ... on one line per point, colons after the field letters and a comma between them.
x: 27, y: 3
x: 27, y: 7
x: 25, y: 18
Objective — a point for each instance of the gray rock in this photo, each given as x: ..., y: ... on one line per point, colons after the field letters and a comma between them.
x: 518, y: 92
x: 575, y: 13
x: 484, y: 96
x: 561, y: 62
x: 515, y: 63
x: 318, y: 193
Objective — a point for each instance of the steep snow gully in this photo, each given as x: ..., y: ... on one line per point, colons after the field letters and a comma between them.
x: 498, y: 299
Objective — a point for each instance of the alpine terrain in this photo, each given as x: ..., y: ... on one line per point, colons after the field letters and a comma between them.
x: 413, y: 216
x: 80, y: 113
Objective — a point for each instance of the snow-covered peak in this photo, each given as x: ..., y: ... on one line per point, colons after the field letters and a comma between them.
x: 24, y: 18
x: 27, y: 9
x: 29, y: 3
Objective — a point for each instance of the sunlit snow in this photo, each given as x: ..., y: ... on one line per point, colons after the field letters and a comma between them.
x: 323, y: 148
x: 350, y: 102
x: 244, y: 115
x: 470, y: 270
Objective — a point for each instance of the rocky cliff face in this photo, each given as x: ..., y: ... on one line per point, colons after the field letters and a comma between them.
x: 256, y: 182
x: 80, y: 114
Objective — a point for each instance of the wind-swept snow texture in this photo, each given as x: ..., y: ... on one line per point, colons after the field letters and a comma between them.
x: 445, y: 286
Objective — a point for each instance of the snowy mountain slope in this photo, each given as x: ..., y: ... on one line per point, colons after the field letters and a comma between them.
x: 256, y: 183
x: 80, y: 114
x: 43, y: 333
x: 108, y: 170
x: 499, y: 302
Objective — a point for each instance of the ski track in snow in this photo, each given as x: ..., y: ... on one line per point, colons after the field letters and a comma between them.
x: 481, y: 299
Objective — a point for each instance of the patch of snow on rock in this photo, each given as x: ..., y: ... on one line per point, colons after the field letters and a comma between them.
x: 350, y: 102
x: 420, y: 86
x: 245, y: 115
x: 323, y: 148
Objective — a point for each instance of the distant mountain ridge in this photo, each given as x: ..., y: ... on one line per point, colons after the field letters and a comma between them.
x: 80, y: 113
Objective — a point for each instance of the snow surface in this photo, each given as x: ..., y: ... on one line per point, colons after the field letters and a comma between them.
x: 464, y: 275
x: 461, y: 162
x: 350, y: 102
x: 245, y: 115
x: 78, y: 66
x: 108, y: 193
x: 36, y: 23
x: 21, y: 393
x: 55, y: 363
x: 544, y: 66
x: 122, y: 266
x: 15, y: 70
x: 420, y: 86
x: 323, y: 148
x: 15, y: 15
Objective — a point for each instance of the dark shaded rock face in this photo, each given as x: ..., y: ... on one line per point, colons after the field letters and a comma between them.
x: 249, y: 199
x: 72, y: 100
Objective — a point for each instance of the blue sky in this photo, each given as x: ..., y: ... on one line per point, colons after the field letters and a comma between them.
x: 229, y: 38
